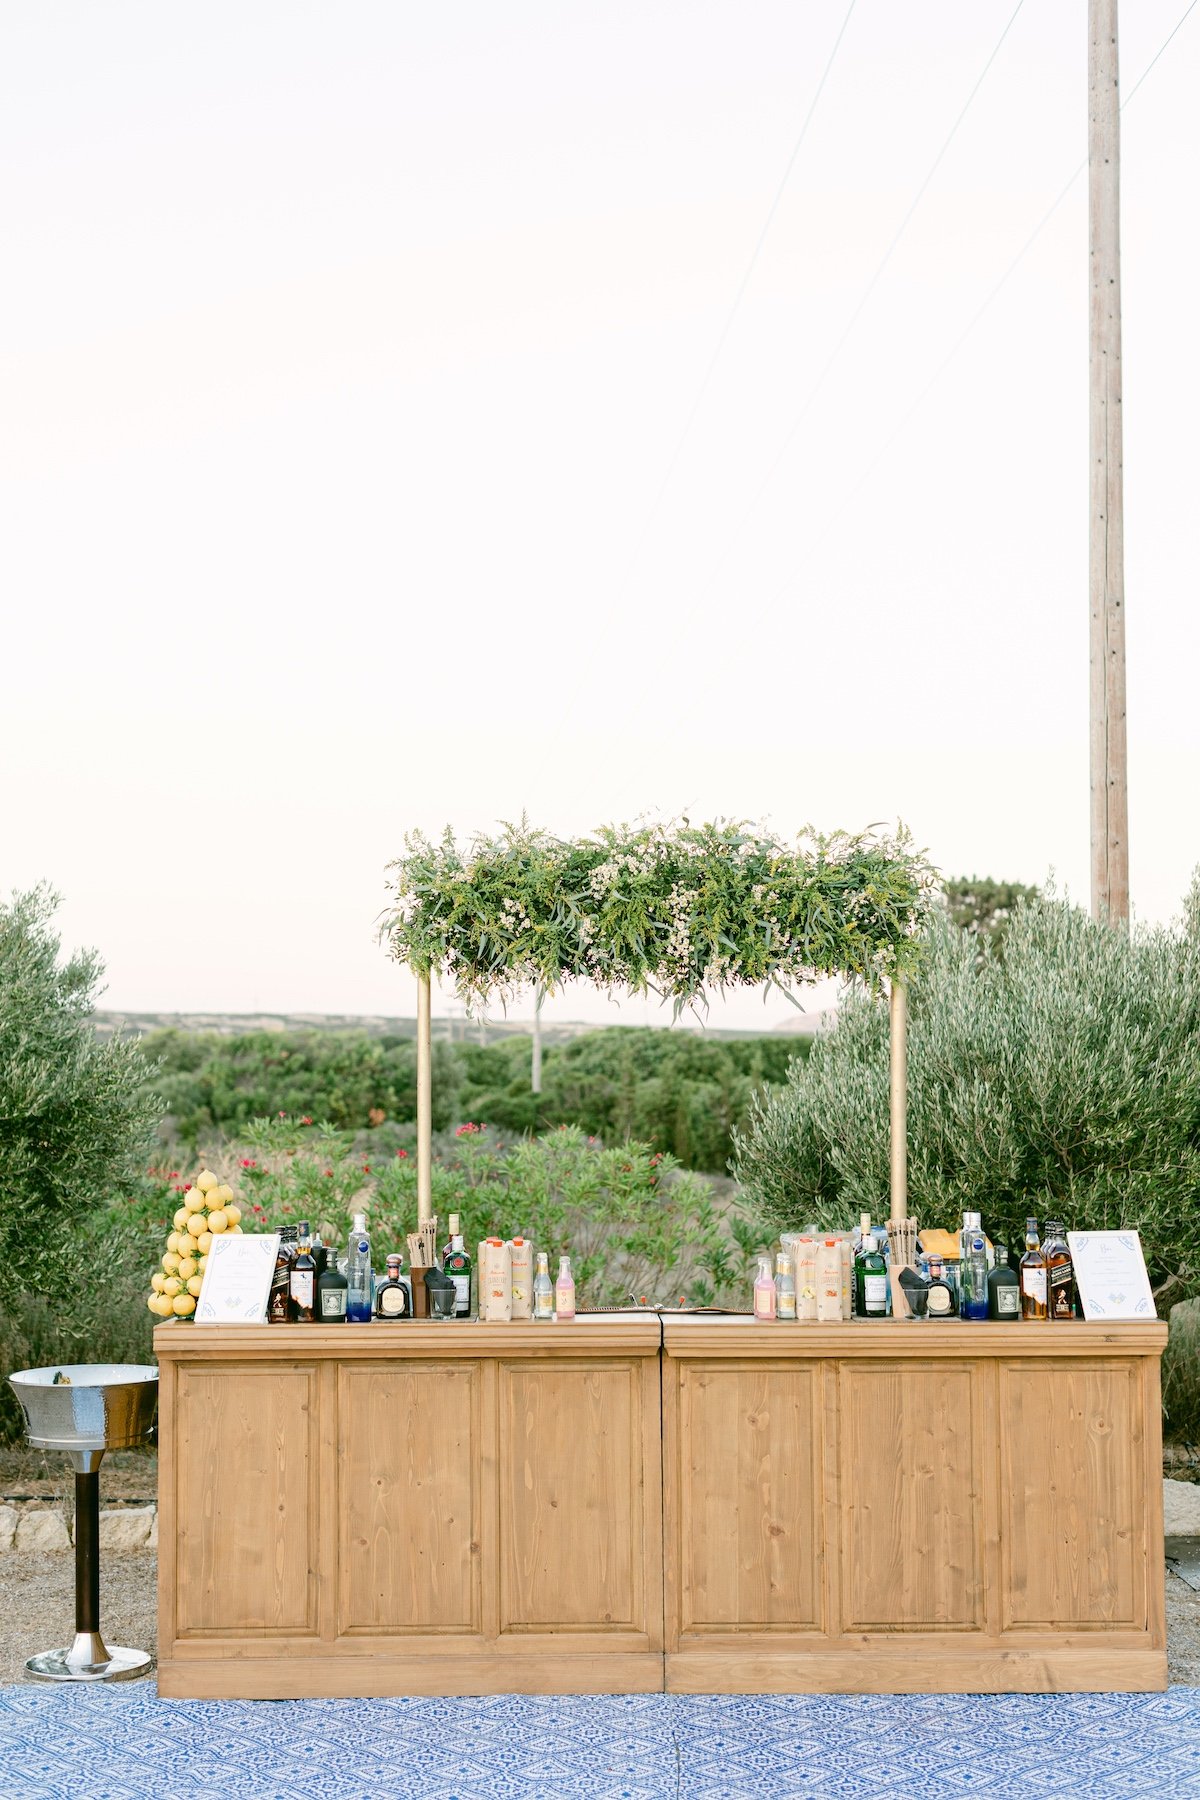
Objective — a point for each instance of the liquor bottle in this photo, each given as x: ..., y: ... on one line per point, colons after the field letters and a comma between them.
x: 785, y: 1288
x: 884, y: 1248
x: 765, y: 1297
x: 940, y: 1303
x: 543, y: 1288
x: 972, y: 1222
x: 870, y: 1276
x: 359, y: 1289
x: 392, y: 1298
x: 457, y: 1264
x: 974, y: 1301
x: 1004, y: 1290
x: 302, y: 1278
x: 829, y: 1280
x: 1060, y: 1273
x: 454, y: 1230
x: 1033, y: 1276
x: 564, y: 1292
x: 332, y: 1289
x: 277, y: 1299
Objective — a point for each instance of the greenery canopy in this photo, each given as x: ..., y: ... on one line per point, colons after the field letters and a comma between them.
x: 674, y: 909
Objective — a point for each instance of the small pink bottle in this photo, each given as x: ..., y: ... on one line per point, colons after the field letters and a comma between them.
x: 564, y: 1291
x: 764, y: 1291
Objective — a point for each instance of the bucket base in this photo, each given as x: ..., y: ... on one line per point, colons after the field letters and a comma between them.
x: 90, y: 1659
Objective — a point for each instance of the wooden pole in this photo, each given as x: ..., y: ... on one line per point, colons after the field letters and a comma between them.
x: 1108, y: 764
x: 424, y: 1099
x: 898, y: 1018
x: 535, y: 1073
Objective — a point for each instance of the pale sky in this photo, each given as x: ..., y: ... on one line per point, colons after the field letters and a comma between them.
x: 345, y: 349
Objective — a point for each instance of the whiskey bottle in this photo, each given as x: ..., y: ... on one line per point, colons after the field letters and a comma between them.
x: 302, y: 1278
x: 870, y: 1276
x: 391, y: 1296
x: 277, y: 1299
x: 1060, y: 1273
x: 332, y: 1288
x: 1033, y: 1276
x: 456, y: 1263
x: 1004, y: 1290
x: 940, y: 1303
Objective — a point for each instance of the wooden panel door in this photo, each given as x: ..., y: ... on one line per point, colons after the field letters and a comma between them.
x: 573, y: 1541
x: 1073, y: 1513
x: 246, y: 1499
x: 410, y: 1503
x: 910, y: 1482
x: 748, y: 1478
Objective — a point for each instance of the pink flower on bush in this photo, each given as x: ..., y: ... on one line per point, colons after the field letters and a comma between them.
x: 329, y: 1171
x: 469, y: 1130
x: 402, y: 1153
x: 283, y: 1115
x: 306, y: 1120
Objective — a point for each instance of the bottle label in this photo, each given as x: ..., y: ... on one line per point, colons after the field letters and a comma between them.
x: 302, y: 1287
x: 764, y: 1302
x: 391, y: 1301
x: 787, y: 1306
x: 1008, y: 1302
x: 543, y: 1306
x: 333, y: 1303
x: 875, y: 1293
x: 1033, y: 1283
x: 462, y: 1293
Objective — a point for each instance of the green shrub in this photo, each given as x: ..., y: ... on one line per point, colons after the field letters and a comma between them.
x: 1061, y: 1080
x: 1181, y: 1374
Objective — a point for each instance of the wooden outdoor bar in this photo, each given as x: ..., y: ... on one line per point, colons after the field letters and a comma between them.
x: 628, y: 1502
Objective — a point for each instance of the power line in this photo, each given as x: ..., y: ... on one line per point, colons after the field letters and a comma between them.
x: 984, y: 306
x: 864, y: 298
x: 713, y: 360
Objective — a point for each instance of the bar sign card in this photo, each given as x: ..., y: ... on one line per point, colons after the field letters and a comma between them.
x: 237, y: 1279
x: 1110, y: 1273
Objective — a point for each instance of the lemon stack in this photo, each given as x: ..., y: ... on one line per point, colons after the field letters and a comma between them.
x: 208, y: 1210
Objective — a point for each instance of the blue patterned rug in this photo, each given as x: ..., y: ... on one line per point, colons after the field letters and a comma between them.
x: 123, y: 1743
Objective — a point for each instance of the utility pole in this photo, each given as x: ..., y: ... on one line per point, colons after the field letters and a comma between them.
x: 535, y: 1081
x: 1108, y: 761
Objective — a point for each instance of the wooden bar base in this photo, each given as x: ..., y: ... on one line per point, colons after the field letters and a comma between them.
x: 626, y: 1504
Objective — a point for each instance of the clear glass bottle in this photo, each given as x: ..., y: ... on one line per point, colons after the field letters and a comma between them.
x: 1034, y: 1302
x: 360, y: 1293
x: 302, y: 1280
x: 765, y: 1297
x: 973, y: 1303
x: 564, y: 1292
x: 785, y: 1288
x: 392, y: 1299
x: 543, y: 1288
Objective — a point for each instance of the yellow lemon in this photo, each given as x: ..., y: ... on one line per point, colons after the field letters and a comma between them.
x: 152, y: 1302
x: 157, y: 1281
x: 233, y: 1214
x: 220, y: 1196
x: 181, y: 1218
x: 184, y: 1304
x: 172, y: 1285
x: 173, y: 1240
x: 195, y: 1283
x: 170, y: 1262
x: 197, y: 1225
x: 205, y: 1180
x: 217, y: 1220
x: 187, y: 1267
x: 204, y: 1242
x: 235, y: 1231
x: 202, y: 1264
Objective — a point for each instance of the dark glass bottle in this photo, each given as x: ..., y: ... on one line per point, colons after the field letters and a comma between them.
x: 456, y: 1263
x: 870, y: 1275
x: 940, y: 1303
x: 331, y: 1291
x: 1060, y: 1273
x: 277, y: 1300
x: 1004, y: 1290
x: 302, y: 1280
x: 391, y: 1296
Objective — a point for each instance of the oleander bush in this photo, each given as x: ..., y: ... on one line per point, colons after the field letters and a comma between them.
x: 1061, y: 1079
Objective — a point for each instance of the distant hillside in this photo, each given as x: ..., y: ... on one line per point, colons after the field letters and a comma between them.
x: 460, y: 1030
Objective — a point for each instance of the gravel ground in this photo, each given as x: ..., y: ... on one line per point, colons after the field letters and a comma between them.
x: 39, y: 1606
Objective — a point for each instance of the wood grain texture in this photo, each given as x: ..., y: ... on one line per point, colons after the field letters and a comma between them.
x: 910, y: 1549
x: 410, y: 1509
x: 247, y: 1501
x: 1074, y: 1517
x: 749, y: 1480
x: 570, y: 1497
x: 903, y: 1670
